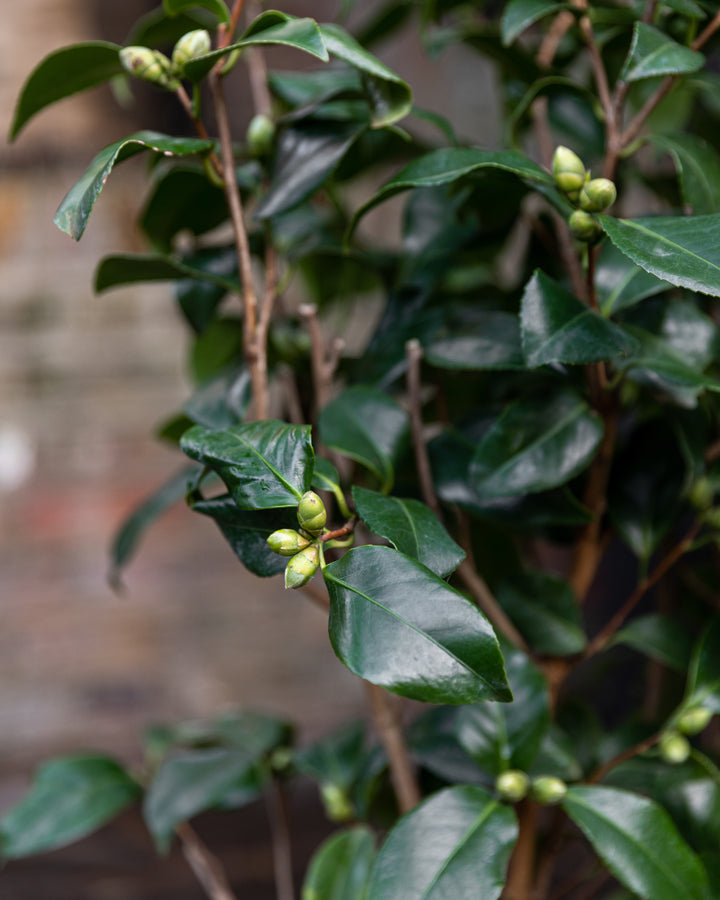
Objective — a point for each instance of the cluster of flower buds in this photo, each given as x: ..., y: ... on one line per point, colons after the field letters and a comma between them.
x: 303, y: 545
x: 514, y: 785
x: 674, y: 745
x: 589, y: 195
x: 154, y: 66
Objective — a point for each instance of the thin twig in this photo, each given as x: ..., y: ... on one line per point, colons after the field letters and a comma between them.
x: 598, y: 67
x: 205, y: 865
x: 257, y: 70
x: 630, y: 753
x: 229, y: 30
x: 413, y: 354
x: 281, y: 842
x: 321, y: 383
x: 666, y: 563
x: 522, y: 864
x: 402, y: 771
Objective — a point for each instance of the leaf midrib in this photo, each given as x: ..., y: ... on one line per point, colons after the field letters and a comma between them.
x: 267, y: 464
x: 660, y: 238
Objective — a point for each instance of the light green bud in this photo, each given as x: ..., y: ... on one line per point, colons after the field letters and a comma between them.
x: 287, y: 542
x: 260, y: 135
x: 311, y: 513
x: 693, y: 721
x: 548, y: 790
x: 338, y: 806
x: 512, y: 785
x: 584, y: 227
x: 190, y: 46
x: 150, y: 65
x: 302, y: 567
x: 597, y: 195
x: 674, y: 748
x: 568, y: 170
x: 701, y: 494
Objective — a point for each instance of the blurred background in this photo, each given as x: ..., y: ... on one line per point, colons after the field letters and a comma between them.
x: 84, y: 380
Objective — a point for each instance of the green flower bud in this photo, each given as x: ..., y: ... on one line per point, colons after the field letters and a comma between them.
x: 338, y: 806
x: 597, y: 195
x: 190, y: 46
x: 302, y: 567
x: 548, y: 790
x: 311, y: 513
x: 584, y: 227
x: 701, y: 494
x: 674, y: 748
x: 512, y: 785
x: 568, y: 170
x: 150, y: 65
x: 287, y: 542
x: 260, y: 135
x: 693, y: 721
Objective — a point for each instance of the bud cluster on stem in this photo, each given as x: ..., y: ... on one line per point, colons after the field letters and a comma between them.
x: 589, y: 195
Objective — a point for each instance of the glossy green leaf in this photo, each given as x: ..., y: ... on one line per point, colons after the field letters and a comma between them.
x: 74, y: 211
x: 698, y: 168
x: 157, y: 29
x: 535, y: 445
x: 620, y: 283
x: 63, y: 73
x: 638, y: 842
x: 263, y: 464
x: 325, y: 476
x: 544, y: 609
x: 653, y: 53
x: 133, y: 528
x: 703, y: 687
x: 684, y: 251
x: 335, y: 759
x: 247, y: 531
x: 221, y: 402
x: 193, y: 781
x: 508, y: 736
x: 396, y: 624
x: 558, y: 328
x: 690, y: 333
x: 69, y: 799
x: 490, y: 342
x: 452, y: 164
x: 391, y: 96
x: 433, y: 742
x: 270, y: 27
x: 686, y: 8
x: 218, y: 348
x: 557, y: 756
x: 521, y: 14
x: 411, y: 527
x: 368, y: 427
x: 340, y: 868
x: 216, y: 7
x: 130, y: 268
x: 455, y: 844
x: 658, y: 637
x: 694, y: 804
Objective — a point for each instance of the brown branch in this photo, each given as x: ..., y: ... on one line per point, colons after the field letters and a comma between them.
x: 200, y: 129
x: 666, y: 563
x: 402, y: 771
x: 630, y: 753
x: 229, y: 31
x: 598, y: 67
x: 713, y: 452
x: 257, y: 70
x: 414, y: 354
x: 561, y: 24
x: 323, y: 361
x: 349, y: 528
x: 522, y: 862
x: 205, y: 865
x: 281, y: 842
x: 707, y: 32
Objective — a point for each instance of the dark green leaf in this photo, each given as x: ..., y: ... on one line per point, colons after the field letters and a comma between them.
x: 133, y: 528
x: 557, y: 327
x: 157, y: 29
x: 686, y: 8
x: 455, y: 844
x: 216, y: 7
x: 325, y: 476
x: 534, y: 446
x: 683, y: 251
x: 658, y: 637
x: 193, y: 781
x: 434, y: 745
x: 336, y: 759
x: 698, y: 168
x: 694, y: 805
x: 69, y: 799
x: 129, y: 268
x: 653, y: 53
x: 221, y: 402
x: 703, y: 688
x: 557, y: 756
x: 451, y: 164
x: 74, y: 211
x: 270, y: 27
x: 690, y: 333
x: 340, y: 869
x: 396, y: 624
x: 247, y: 531
x: 63, y: 73
x: 620, y: 283
x: 391, y: 97
x: 368, y: 427
x: 544, y: 609
x: 411, y: 527
x: 638, y: 843
x: 491, y: 341
x: 508, y: 736
x: 216, y: 350
x: 264, y: 464
x: 253, y: 733
x: 521, y: 14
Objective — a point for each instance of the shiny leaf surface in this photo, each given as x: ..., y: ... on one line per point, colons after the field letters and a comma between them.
x: 521, y: 14
x: 130, y: 268
x: 698, y: 168
x: 658, y: 637
x: 340, y: 868
x: 491, y: 342
x: 620, y: 283
x: 653, y: 53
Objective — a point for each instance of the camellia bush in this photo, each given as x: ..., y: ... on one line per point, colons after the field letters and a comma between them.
x: 504, y: 495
